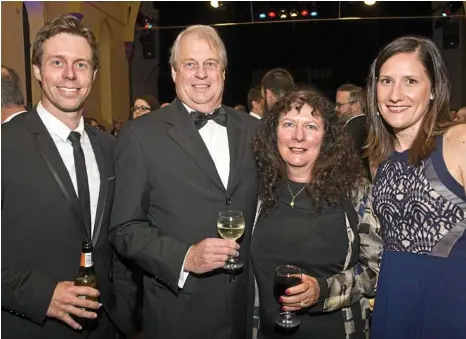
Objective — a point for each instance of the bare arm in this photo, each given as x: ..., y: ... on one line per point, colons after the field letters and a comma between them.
x: 454, y: 153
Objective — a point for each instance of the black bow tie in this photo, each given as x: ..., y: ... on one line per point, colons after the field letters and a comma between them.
x: 200, y: 119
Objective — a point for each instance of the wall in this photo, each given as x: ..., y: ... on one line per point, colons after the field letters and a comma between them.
x: 112, y: 23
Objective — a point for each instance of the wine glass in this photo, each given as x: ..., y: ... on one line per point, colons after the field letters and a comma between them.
x: 286, y: 276
x: 230, y: 225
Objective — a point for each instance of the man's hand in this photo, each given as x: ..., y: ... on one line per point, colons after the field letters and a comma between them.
x: 209, y: 254
x: 65, y: 301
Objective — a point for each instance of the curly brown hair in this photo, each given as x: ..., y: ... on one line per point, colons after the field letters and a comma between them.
x: 337, y: 172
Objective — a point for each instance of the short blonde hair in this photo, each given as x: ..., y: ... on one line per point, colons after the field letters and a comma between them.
x: 206, y: 33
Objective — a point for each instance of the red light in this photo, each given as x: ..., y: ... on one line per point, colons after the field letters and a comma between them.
x: 272, y: 14
x: 304, y: 13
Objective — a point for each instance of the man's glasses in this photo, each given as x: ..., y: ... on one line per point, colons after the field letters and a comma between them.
x: 140, y: 108
x: 341, y: 104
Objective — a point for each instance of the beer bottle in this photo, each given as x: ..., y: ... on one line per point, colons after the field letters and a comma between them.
x: 86, y: 277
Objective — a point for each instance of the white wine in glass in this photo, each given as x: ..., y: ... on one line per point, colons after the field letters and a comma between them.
x: 230, y: 225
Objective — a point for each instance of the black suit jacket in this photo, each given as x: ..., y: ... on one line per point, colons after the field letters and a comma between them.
x: 42, y: 233
x: 168, y: 195
x: 358, y: 130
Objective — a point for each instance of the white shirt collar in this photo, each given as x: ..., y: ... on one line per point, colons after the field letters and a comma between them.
x: 347, y: 121
x: 57, y: 127
x: 13, y: 115
x: 255, y: 115
x: 189, y: 109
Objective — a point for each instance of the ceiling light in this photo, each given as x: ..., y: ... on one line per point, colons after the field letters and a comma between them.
x: 283, y: 14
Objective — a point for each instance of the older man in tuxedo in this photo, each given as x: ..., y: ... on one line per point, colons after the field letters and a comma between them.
x: 176, y: 169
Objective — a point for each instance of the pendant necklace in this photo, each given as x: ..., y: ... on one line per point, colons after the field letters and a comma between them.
x: 294, y: 195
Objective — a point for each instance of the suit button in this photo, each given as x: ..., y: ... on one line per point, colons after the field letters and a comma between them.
x: 228, y: 201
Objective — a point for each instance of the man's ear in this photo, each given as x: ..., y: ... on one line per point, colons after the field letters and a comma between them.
x: 37, y: 74
x: 93, y: 77
x: 223, y: 75
x: 173, y: 74
x: 269, y: 95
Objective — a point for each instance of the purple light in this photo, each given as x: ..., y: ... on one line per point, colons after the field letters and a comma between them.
x: 78, y: 16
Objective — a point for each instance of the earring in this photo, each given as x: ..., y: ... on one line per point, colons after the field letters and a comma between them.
x: 378, y: 113
x: 431, y: 96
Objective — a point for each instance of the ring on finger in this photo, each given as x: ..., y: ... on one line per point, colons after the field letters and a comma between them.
x: 303, y: 304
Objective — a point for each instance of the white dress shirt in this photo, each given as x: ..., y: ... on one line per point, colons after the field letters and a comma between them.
x: 13, y: 115
x: 255, y: 115
x: 59, y: 133
x: 215, y: 137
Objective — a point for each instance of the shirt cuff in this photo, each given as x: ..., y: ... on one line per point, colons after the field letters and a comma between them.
x: 183, y: 275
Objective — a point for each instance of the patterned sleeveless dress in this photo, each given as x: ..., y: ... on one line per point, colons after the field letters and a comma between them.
x: 422, y: 284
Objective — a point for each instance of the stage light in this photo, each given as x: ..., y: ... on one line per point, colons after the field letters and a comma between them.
x: 369, y: 2
x: 148, y: 22
x: 272, y: 15
x: 293, y: 13
x: 262, y: 16
x: 314, y: 9
x: 451, y: 8
x: 304, y: 13
x: 215, y: 4
x: 283, y: 14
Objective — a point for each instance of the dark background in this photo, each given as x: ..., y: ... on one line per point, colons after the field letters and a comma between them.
x: 325, y: 53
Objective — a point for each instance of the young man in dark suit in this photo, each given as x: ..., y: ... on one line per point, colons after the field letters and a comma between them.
x: 176, y: 169
x: 57, y: 191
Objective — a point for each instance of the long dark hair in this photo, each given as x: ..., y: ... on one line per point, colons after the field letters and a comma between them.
x: 337, y: 172
x: 436, y: 121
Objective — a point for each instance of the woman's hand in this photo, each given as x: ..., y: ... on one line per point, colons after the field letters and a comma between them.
x: 301, y: 296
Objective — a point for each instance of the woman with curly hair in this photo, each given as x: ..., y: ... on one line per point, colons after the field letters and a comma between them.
x: 315, y: 215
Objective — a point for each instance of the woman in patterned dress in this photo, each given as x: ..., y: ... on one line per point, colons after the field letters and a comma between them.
x: 419, y: 194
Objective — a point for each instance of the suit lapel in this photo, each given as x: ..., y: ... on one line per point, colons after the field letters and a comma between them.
x: 236, y: 140
x: 183, y: 132
x: 49, y: 152
x: 99, y: 157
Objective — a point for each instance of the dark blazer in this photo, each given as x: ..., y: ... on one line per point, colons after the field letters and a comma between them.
x: 167, y: 197
x: 358, y: 130
x: 42, y: 233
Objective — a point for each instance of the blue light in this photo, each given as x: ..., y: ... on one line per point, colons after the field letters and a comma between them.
x: 314, y: 13
x: 262, y: 16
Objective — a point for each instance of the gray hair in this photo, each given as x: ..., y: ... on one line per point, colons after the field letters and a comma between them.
x: 206, y: 33
x: 12, y: 95
x: 356, y: 93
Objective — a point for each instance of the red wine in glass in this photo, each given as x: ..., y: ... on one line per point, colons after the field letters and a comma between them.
x: 286, y: 276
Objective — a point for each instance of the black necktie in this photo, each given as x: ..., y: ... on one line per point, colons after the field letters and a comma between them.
x: 81, y: 178
x: 200, y: 119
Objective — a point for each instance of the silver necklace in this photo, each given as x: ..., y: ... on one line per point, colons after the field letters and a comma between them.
x: 294, y: 195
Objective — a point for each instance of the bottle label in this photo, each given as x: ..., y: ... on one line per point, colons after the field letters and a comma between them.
x: 86, y: 260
